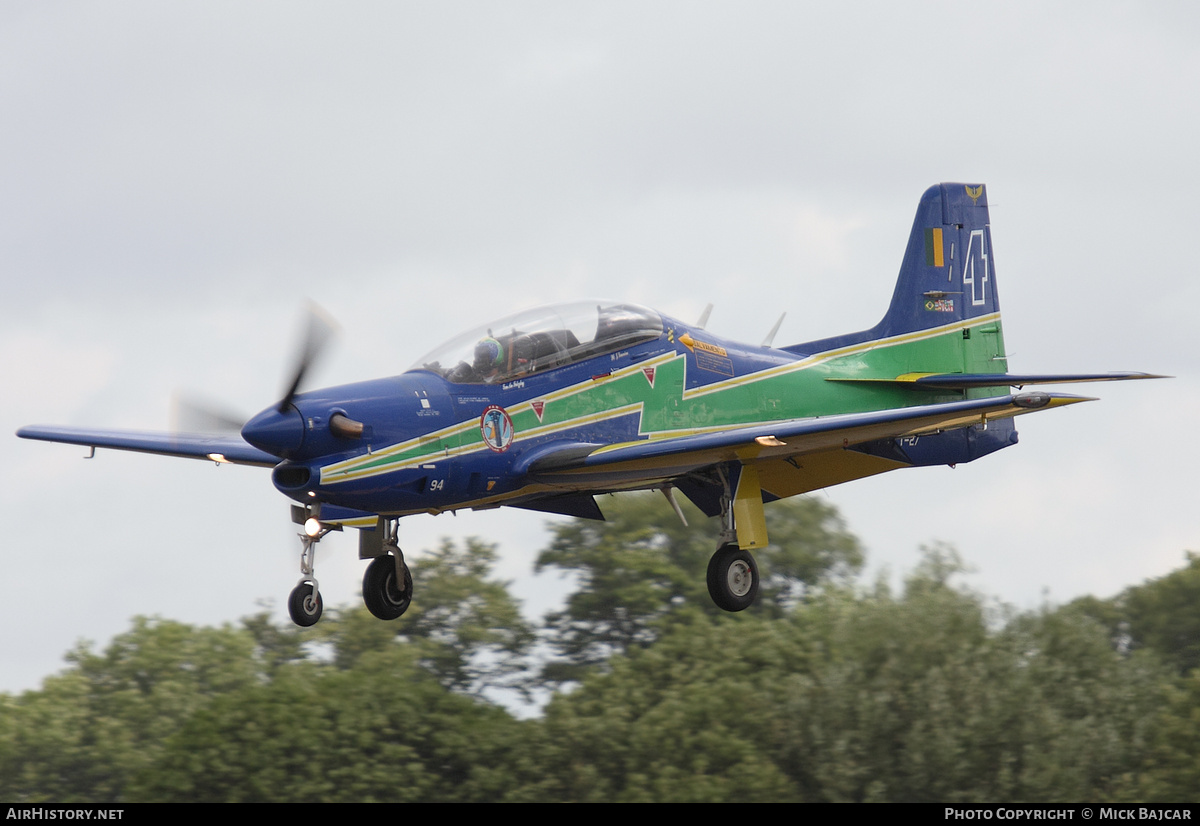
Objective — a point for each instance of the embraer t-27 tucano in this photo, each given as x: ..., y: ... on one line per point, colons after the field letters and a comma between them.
x: 547, y: 408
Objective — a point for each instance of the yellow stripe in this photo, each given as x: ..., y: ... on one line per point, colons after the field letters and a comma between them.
x: 830, y: 355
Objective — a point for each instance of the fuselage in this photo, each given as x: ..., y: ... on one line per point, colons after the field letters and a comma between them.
x: 430, y: 443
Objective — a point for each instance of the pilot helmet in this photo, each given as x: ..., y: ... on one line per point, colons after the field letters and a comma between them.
x: 489, y: 354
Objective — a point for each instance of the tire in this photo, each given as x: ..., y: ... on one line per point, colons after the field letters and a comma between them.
x: 382, y: 597
x: 732, y: 578
x: 305, y: 605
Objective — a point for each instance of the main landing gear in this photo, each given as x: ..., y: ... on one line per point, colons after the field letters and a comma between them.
x: 733, y: 578
x: 732, y: 571
x: 387, y: 585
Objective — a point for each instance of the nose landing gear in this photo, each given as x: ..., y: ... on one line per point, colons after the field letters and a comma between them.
x: 304, y: 604
x: 387, y: 584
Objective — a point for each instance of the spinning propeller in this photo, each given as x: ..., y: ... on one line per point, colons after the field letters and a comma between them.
x: 279, y: 429
x: 190, y: 415
x: 319, y: 329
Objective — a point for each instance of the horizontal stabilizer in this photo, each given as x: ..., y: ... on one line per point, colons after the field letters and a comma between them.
x: 962, y: 381
x: 222, y: 448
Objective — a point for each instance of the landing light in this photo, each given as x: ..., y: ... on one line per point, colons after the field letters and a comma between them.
x: 312, y: 526
x: 1031, y: 401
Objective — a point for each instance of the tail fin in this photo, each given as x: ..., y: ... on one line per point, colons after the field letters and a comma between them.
x: 947, y: 281
x: 948, y: 271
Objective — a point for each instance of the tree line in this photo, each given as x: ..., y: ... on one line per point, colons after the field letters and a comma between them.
x: 828, y: 689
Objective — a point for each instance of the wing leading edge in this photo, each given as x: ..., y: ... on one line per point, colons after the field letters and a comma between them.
x: 211, y: 447
x: 964, y: 381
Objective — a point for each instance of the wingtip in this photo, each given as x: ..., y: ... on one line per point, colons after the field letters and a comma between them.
x: 1063, y: 399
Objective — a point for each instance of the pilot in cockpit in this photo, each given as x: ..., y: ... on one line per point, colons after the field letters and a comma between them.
x: 489, y: 358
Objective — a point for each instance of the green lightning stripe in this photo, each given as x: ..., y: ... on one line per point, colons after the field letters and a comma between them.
x: 842, y: 352
x: 465, y: 438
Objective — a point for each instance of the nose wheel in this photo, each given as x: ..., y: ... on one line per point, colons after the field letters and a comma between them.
x: 305, y: 604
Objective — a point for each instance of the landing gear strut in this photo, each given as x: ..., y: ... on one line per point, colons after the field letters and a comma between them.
x: 387, y: 584
x: 732, y: 571
x: 305, y: 603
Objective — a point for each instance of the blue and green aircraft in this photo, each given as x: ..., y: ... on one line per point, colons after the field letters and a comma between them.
x: 547, y: 408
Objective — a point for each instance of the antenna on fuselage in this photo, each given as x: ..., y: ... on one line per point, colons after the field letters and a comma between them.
x: 704, y: 317
x: 771, y: 335
x: 669, y: 492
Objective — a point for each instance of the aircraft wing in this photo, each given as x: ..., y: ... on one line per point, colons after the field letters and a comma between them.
x: 669, y: 456
x: 963, y: 381
x: 224, y: 448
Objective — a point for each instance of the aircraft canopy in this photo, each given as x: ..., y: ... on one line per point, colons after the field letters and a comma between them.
x: 541, y: 339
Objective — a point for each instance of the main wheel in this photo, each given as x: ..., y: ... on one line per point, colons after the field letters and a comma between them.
x: 305, y: 605
x: 380, y: 593
x: 732, y: 578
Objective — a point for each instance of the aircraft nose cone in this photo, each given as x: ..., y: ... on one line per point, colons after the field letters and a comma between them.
x: 281, y: 434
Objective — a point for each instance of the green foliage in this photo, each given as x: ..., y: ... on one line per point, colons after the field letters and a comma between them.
x: 171, y: 712
x: 1159, y: 615
x: 859, y: 697
x: 1163, y: 616
x: 1159, y: 619
x: 474, y: 623
x: 385, y: 730
x: 682, y: 720
x: 1170, y: 771
x: 360, y: 710
x: 88, y: 731
x: 917, y: 700
x: 637, y: 570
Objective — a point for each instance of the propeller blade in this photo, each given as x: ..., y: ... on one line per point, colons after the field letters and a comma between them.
x: 319, y: 329
x: 191, y: 416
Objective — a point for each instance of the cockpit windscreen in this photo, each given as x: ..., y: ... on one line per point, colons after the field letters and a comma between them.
x: 541, y: 339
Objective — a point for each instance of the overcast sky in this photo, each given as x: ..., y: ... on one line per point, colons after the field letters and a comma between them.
x: 176, y: 179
